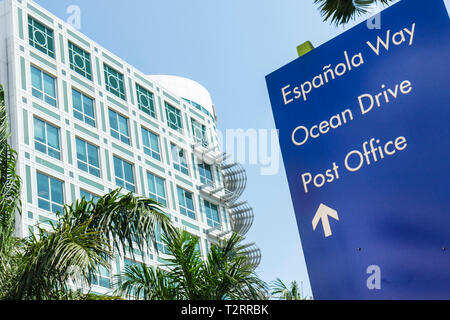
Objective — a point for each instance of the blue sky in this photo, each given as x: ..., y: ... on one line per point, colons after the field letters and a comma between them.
x: 229, y: 47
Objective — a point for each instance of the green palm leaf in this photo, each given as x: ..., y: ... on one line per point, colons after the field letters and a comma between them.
x: 123, y: 219
x: 224, y: 274
x: 144, y: 282
x: 282, y: 292
x: 342, y: 11
x: 10, y: 184
x: 50, y: 259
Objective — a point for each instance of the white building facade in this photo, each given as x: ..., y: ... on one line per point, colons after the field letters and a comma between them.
x: 84, y: 122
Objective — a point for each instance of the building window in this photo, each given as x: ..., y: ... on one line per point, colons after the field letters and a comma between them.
x: 199, y: 133
x: 88, y: 196
x: 157, y: 189
x: 179, y: 159
x: 119, y: 127
x: 50, y: 193
x: 212, y: 214
x: 46, y: 139
x: 151, y: 144
x: 205, y: 173
x: 124, y: 174
x: 198, y: 246
x: 43, y: 86
x: 186, y: 203
x: 145, y: 101
x: 173, y: 118
x: 80, y: 61
x: 83, y: 108
x: 102, y: 277
x: 162, y: 247
x: 87, y: 155
x: 130, y: 263
x: 41, y: 37
x: 114, y: 82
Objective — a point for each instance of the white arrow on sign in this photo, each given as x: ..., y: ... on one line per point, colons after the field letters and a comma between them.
x: 322, y: 214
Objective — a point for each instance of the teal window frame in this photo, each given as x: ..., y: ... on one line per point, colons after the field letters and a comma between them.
x: 114, y: 82
x: 83, y: 107
x: 88, y: 157
x: 199, y: 133
x: 150, y: 144
x: 50, y: 193
x: 80, y: 60
x: 157, y: 189
x: 124, y: 174
x: 46, y: 138
x: 130, y: 263
x: 186, y: 203
x: 43, y: 86
x: 212, y: 214
x: 101, y: 277
x: 89, y: 196
x: 146, y: 101
x: 119, y: 127
x: 160, y: 244
x: 206, y: 174
x: 179, y: 159
x: 174, y: 120
x: 41, y: 37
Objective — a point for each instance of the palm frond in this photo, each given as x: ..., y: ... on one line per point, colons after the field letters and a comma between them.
x: 51, y: 259
x: 185, y: 263
x: 122, y: 219
x: 230, y: 274
x: 144, y: 282
x: 224, y: 274
x: 282, y: 292
x: 10, y: 184
x: 342, y: 11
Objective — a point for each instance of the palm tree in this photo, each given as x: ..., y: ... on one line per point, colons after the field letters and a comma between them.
x: 83, y: 239
x: 224, y: 274
x: 282, y: 292
x: 10, y: 184
x: 342, y: 11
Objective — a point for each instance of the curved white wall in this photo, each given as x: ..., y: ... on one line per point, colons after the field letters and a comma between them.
x: 186, y: 88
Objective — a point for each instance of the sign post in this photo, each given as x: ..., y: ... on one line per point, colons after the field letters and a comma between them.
x: 364, y: 131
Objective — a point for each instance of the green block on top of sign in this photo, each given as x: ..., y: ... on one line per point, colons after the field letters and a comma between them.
x: 304, y: 48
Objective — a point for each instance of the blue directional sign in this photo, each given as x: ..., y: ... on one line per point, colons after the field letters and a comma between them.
x: 364, y: 131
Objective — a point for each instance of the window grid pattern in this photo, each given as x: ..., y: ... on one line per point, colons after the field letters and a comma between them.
x: 114, y: 82
x: 43, y: 86
x: 146, y: 101
x: 46, y: 139
x: 159, y: 235
x: 124, y: 174
x: 41, y: 37
x: 212, y: 214
x: 83, y: 108
x: 88, y: 196
x: 174, y: 118
x: 150, y: 142
x: 205, y: 173
x: 50, y: 193
x: 80, y: 61
x: 157, y: 189
x: 179, y: 159
x: 199, y: 133
x: 186, y: 203
x: 119, y: 127
x: 87, y: 155
x: 102, y: 277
